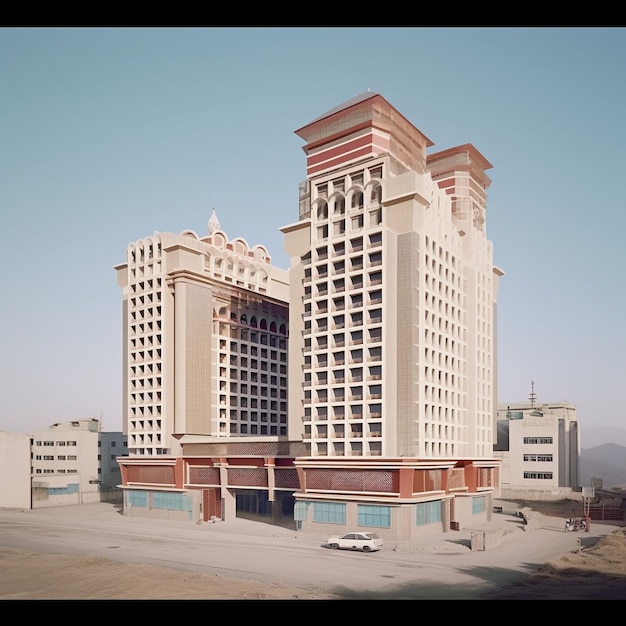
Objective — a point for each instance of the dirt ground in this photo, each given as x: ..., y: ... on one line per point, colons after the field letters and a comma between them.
x: 35, y: 576
x: 596, y: 572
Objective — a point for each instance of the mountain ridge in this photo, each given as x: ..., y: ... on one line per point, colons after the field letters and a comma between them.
x: 606, y: 462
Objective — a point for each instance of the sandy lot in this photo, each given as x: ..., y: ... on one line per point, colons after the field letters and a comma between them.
x: 595, y: 571
x: 36, y: 576
x: 598, y: 572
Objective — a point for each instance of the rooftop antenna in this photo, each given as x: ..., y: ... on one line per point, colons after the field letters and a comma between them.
x: 533, y: 396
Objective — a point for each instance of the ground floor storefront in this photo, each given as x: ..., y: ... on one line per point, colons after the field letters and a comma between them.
x: 400, y: 498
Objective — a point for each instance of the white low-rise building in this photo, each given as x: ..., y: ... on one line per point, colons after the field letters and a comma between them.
x: 69, y: 463
x: 539, y: 446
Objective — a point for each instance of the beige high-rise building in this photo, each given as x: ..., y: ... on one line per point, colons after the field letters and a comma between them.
x: 382, y: 331
x: 205, y: 340
x: 393, y: 292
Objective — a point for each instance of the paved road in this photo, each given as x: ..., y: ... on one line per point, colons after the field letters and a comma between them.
x: 441, y: 567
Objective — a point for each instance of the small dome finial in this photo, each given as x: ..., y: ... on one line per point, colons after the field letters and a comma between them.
x: 214, y: 223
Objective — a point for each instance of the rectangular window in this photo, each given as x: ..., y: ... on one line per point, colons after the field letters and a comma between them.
x: 537, y: 439
x: 300, y: 510
x: 538, y: 475
x: 73, y: 488
x: 538, y: 457
x: 479, y: 505
x: 138, y: 498
x: 171, y: 501
x: 374, y: 516
x: 329, y: 512
x: 428, y: 512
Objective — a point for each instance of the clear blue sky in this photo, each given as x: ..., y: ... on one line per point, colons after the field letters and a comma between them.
x: 110, y: 134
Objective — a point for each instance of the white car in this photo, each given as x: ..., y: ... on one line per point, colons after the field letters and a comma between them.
x: 364, y: 541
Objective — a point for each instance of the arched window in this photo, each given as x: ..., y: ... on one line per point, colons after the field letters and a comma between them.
x: 322, y: 211
x: 339, y: 206
x: 376, y: 195
x: 357, y: 200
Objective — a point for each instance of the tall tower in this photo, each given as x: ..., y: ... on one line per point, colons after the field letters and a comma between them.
x: 205, y: 341
x: 392, y: 292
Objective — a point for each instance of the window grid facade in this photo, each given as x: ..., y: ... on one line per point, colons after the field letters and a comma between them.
x: 343, y: 286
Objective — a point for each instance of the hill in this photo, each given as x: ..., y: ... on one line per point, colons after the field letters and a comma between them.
x: 596, y: 436
x: 607, y: 462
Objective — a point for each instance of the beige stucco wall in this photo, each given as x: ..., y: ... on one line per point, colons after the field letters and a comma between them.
x: 15, y: 471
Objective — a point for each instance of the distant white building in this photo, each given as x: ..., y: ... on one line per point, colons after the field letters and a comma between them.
x: 15, y: 470
x: 69, y: 463
x: 539, y: 446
